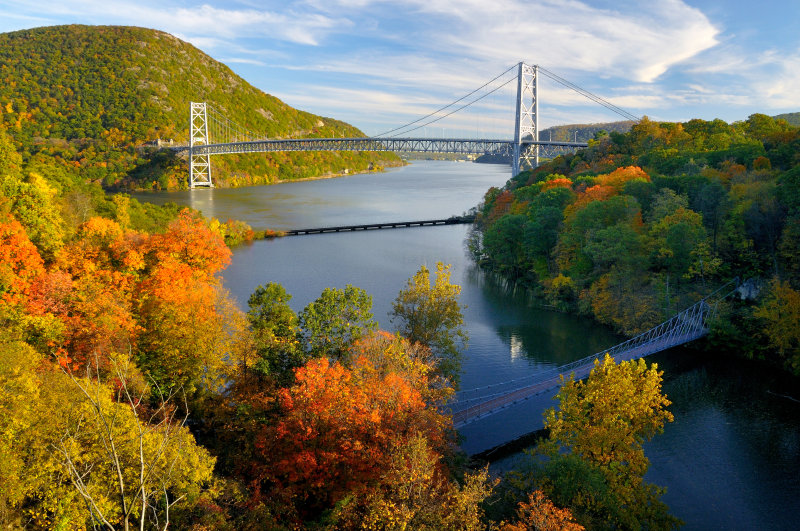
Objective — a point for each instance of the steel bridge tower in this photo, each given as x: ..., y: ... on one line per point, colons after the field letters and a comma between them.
x: 524, y: 146
x: 199, y: 163
x: 526, y: 128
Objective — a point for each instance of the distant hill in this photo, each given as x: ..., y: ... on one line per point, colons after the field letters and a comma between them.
x: 93, y: 95
x: 567, y: 133
x: 583, y: 132
x: 792, y: 117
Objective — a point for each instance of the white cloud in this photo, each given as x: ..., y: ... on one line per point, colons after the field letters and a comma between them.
x: 399, y: 58
x: 779, y: 90
x: 242, y: 60
x: 204, y: 20
x: 638, y: 41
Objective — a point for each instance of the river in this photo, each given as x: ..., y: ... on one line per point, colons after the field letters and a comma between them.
x: 731, y: 458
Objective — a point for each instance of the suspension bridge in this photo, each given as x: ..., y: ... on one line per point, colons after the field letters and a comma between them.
x: 523, y: 149
x: 690, y: 324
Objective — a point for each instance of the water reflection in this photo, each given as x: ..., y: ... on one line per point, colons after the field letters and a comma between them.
x: 731, y: 459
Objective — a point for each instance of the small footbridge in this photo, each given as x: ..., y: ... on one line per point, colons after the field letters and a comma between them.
x: 453, y: 220
x: 688, y: 325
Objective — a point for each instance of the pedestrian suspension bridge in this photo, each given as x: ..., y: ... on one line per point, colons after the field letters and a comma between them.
x: 523, y: 149
x: 690, y: 324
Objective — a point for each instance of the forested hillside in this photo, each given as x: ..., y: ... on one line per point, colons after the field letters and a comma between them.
x: 567, y: 133
x: 792, y: 118
x: 92, y: 96
x: 583, y: 132
x: 135, y: 393
x: 640, y: 225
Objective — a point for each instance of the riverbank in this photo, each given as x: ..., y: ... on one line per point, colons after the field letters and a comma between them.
x: 734, y: 448
x: 334, y: 175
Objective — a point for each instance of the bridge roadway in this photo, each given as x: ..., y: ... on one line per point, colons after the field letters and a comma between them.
x: 455, y: 220
x: 424, y: 145
x: 684, y: 327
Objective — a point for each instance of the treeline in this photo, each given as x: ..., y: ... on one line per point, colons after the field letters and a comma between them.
x: 566, y: 133
x: 92, y: 96
x: 133, y: 391
x: 642, y: 224
x: 116, y: 337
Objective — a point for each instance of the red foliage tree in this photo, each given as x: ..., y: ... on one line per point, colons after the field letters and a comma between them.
x: 338, y: 430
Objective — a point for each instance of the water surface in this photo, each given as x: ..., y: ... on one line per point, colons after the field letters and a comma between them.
x: 731, y: 459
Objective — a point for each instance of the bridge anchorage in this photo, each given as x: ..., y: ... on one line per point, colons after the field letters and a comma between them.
x: 524, y: 149
x: 688, y: 325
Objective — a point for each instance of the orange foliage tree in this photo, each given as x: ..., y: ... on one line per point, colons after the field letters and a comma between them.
x: 176, y: 304
x: 339, y: 427
x: 621, y: 176
x: 20, y: 263
x: 539, y: 514
x: 91, y: 290
x: 116, y: 290
x: 558, y: 182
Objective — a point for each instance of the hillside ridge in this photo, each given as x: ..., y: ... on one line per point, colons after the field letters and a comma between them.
x: 92, y: 96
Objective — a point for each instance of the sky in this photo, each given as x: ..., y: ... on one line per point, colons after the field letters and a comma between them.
x: 380, y: 63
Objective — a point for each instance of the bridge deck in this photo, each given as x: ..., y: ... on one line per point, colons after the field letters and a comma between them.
x: 495, y: 404
x: 423, y: 145
x: 456, y: 220
x: 684, y: 327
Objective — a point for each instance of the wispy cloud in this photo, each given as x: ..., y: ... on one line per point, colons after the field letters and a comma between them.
x: 282, y: 22
x: 386, y: 61
x: 632, y: 40
x: 243, y: 61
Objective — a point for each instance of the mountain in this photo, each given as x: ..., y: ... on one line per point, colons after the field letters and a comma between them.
x: 583, y: 132
x: 566, y: 133
x: 95, y: 96
x: 792, y: 117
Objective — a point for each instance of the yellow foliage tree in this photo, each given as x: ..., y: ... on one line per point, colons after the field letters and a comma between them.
x: 414, y: 492
x: 432, y: 316
x: 604, y: 421
x: 78, y: 453
x: 780, y: 312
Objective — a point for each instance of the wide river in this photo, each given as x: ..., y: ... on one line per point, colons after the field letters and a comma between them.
x: 731, y: 458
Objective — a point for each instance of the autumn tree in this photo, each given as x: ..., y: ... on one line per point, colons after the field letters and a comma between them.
x: 149, y: 455
x: 780, y: 313
x: 432, y: 315
x: 92, y: 291
x: 394, y: 354
x: 31, y: 199
x: 81, y: 453
x: 336, y: 319
x: 20, y: 262
x: 538, y: 513
x: 275, y: 332
x: 177, y: 307
x: 337, y: 431
x: 416, y: 492
x: 604, y: 422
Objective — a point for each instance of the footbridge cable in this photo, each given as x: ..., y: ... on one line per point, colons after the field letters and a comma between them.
x: 683, y: 327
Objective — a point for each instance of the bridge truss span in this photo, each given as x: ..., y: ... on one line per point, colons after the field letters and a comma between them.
x: 420, y: 145
x: 523, y: 151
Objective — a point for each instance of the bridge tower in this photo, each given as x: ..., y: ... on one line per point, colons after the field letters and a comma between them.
x: 199, y: 164
x: 526, y: 156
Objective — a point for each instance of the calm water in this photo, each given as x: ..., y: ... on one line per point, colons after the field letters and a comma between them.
x: 731, y: 459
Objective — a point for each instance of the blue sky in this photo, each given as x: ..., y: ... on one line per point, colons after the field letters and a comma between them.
x: 380, y: 63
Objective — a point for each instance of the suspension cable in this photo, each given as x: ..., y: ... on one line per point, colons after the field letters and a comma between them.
x: 448, y: 105
x: 454, y: 110
x: 597, y: 99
